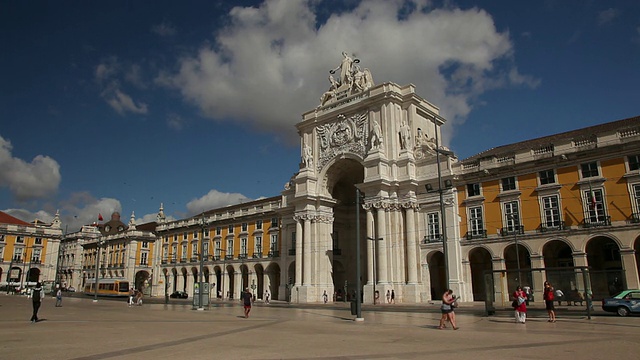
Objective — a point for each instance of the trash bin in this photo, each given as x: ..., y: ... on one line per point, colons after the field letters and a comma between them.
x: 354, y: 310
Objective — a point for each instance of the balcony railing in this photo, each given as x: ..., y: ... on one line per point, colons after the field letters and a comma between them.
x: 257, y: 255
x: 229, y: 257
x: 183, y: 260
x: 516, y: 230
x: 435, y: 238
x: 605, y: 221
x: 292, y: 251
x: 173, y: 261
x: 242, y: 256
x: 164, y: 261
x: 194, y: 259
x: 17, y: 260
x: 635, y: 218
x: 216, y: 257
x: 554, y: 226
x: 479, y: 234
x: 274, y: 254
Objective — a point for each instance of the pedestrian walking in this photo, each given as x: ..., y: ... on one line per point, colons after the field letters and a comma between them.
x: 393, y: 297
x: 548, y: 296
x: 246, y: 298
x: 447, y: 310
x: 36, y: 296
x: 325, y: 297
x: 59, y: 298
x: 131, y: 295
x: 520, y: 305
x: 267, y: 296
x: 388, y: 297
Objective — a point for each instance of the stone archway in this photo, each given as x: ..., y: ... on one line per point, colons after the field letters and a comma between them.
x: 605, y: 262
x: 479, y: 262
x: 341, y: 178
x: 437, y: 274
x: 273, y: 280
x: 518, y: 275
x: 558, y: 255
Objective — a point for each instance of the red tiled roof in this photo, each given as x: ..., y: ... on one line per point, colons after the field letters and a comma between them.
x: 8, y: 219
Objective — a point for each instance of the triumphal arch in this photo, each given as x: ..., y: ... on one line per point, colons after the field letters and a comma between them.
x: 380, y: 139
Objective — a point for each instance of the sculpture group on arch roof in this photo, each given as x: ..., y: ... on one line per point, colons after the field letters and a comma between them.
x: 352, y: 79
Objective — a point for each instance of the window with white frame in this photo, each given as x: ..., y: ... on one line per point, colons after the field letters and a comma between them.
x: 19, y: 239
x: 145, y: 245
x: 508, y: 183
x: 258, y: 245
x: 476, y: 225
x: 634, y: 162
x: 636, y: 199
x: 258, y: 224
x: 512, y: 216
x: 217, y: 249
x: 433, y: 227
x: 144, y: 257
x: 551, y: 211
x: 165, y: 252
x: 230, y: 229
x: 38, y: 241
x: 229, y: 248
x: 273, y: 244
x: 206, y: 232
x: 205, y: 249
x: 184, y: 252
x: 243, y: 246
x: 195, y: 234
x: 589, y: 169
x: 174, y: 252
x: 194, y: 249
x: 175, y: 237
x: 219, y: 230
x: 245, y: 227
x: 17, y: 254
x: 184, y: 235
x: 1, y: 252
x: 35, y: 255
x: 274, y: 222
x: 473, y: 189
x: 547, y: 177
x: 595, y: 206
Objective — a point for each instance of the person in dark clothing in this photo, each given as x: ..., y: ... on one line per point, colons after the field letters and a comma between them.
x: 246, y: 298
x: 36, y: 295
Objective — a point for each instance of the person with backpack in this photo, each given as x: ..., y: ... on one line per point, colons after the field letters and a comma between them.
x: 36, y: 296
x: 548, y: 296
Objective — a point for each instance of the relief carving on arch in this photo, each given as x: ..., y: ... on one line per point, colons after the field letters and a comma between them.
x: 345, y: 135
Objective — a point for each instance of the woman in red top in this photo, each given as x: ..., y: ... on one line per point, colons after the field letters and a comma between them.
x: 521, y: 309
x: 548, y: 301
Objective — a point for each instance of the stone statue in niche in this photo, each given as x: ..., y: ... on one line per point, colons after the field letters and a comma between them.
x: 405, y: 136
x: 376, y: 134
x: 308, y: 156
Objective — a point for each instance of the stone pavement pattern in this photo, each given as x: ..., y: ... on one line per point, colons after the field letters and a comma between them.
x: 108, y: 329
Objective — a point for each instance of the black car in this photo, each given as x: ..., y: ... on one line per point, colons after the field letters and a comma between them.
x: 179, y: 295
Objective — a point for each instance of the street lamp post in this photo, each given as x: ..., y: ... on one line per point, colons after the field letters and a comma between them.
x: 201, y: 272
x: 95, y: 282
x: 513, y: 219
x: 375, y: 269
x: 440, y: 190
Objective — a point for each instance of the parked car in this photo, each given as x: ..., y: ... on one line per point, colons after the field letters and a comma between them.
x: 625, y: 303
x: 71, y: 289
x: 179, y: 295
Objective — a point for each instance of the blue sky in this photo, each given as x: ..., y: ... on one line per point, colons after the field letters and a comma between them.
x: 123, y: 105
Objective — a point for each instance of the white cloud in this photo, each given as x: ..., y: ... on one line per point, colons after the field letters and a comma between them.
x: 175, y: 122
x: 607, y: 16
x: 38, y: 179
x: 107, y: 76
x: 214, y: 199
x: 271, y: 63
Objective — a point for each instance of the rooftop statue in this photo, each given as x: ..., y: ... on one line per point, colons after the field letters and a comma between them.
x: 352, y: 80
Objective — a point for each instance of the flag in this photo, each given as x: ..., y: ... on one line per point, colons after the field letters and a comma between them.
x: 592, y: 198
x: 100, y: 217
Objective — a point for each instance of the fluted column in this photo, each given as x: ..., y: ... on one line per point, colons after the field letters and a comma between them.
x: 412, y: 261
x: 298, y: 279
x: 306, y: 260
x: 382, y: 249
x: 370, y: 246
